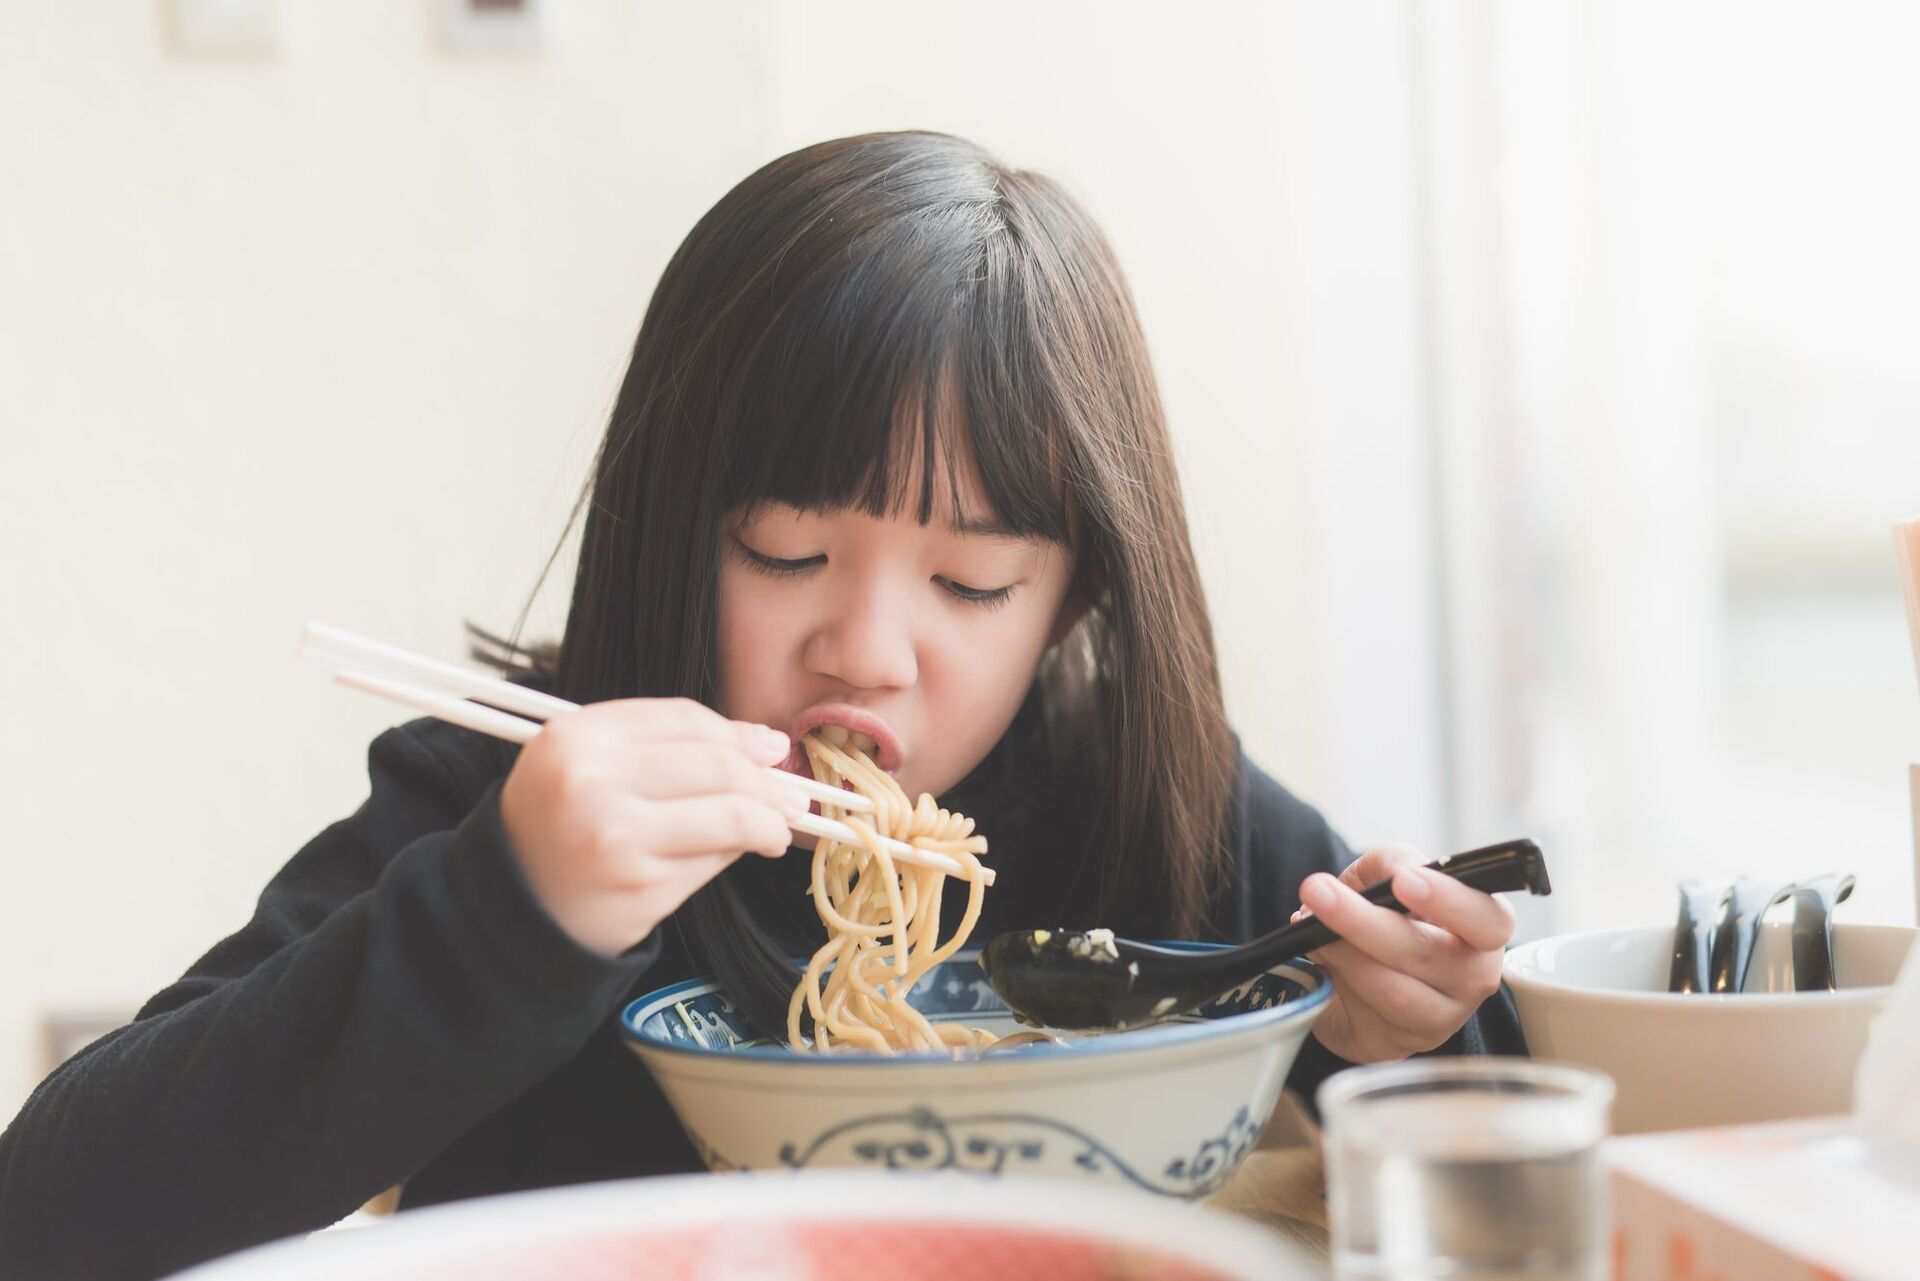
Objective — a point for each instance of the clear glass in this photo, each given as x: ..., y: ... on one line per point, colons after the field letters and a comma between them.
x: 1467, y: 1169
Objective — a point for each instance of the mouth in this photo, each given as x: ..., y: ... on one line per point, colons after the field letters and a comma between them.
x: 848, y: 727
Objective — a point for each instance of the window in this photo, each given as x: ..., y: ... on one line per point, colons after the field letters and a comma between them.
x: 1676, y: 380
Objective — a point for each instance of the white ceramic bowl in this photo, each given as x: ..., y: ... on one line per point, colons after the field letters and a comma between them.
x: 837, y: 1226
x: 1171, y: 1109
x: 1680, y: 1061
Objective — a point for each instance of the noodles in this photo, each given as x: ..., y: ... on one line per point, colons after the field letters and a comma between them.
x: 883, y: 920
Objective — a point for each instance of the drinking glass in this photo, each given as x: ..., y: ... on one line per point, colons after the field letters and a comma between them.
x: 1468, y: 1169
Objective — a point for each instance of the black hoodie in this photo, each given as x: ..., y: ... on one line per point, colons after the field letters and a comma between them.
x: 401, y: 1009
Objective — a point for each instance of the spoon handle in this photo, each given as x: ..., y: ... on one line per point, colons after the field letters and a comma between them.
x: 1692, y: 967
x: 1749, y: 900
x: 1493, y: 869
x: 1813, y: 905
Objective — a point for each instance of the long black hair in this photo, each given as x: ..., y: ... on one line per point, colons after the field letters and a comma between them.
x: 848, y: 311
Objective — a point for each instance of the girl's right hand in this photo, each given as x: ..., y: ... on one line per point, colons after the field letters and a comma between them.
x: 620, y: 811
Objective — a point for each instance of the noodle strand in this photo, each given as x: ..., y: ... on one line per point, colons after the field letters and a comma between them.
x: 882, y: 918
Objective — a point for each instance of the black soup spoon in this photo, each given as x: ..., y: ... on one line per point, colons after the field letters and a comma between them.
x: 1088, y: 980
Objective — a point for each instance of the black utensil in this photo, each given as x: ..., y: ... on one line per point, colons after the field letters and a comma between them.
x: 1747, y: 902
x: 1692, y: 969
x: 1813, y: 904
x: 1067, y: 979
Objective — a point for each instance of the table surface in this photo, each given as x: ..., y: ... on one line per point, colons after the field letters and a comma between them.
x: 1285, y: 1189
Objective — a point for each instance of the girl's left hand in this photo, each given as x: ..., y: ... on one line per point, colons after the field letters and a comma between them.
x: 1403, y: 983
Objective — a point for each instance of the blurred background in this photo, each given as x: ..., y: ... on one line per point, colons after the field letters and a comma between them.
x: 1543, y: 377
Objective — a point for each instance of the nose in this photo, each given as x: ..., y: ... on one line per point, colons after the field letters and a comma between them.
x: 867, y: 644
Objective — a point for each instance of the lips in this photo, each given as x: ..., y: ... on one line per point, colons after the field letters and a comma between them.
x: 857, y: 724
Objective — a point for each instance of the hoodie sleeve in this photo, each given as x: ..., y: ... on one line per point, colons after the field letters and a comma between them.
x: 398, y: 981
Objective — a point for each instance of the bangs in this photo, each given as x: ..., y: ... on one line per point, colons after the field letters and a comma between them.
x: 890, y: 388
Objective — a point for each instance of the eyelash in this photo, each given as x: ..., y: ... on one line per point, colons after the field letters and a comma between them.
x: 990, y: 597
x: 775, y: 567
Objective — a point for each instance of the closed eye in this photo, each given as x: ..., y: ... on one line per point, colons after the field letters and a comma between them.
x: 782, y: 567
x: 977, y: 595
x: 776, y: 566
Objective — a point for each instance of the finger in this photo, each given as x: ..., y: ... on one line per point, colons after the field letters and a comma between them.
x: 617, y: 916
x: 763, y: 743
x: 1484, y: 922
x: 1423, y: 1015
x: 687, y: 876
x: 646, y: 720
x: 728, y: 823
x: 1435, y: 956
x: 701, y: 868
x: 1379, y: 863
x: 1382, y: 933
x: 655, y: 718
x: 664, y: 771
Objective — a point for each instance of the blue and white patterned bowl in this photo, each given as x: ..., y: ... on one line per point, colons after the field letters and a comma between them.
x: 1171, y: 1109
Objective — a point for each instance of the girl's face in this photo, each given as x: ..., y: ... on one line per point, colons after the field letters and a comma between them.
x: 924, y: 638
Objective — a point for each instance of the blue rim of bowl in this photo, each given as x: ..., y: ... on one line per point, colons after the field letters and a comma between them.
x: 1181, y: 1032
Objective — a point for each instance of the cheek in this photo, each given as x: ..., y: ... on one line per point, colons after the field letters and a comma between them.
x: 979, y: 679
x: 749, y: 628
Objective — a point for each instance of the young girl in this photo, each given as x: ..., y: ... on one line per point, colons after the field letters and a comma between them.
x: 889, y: 455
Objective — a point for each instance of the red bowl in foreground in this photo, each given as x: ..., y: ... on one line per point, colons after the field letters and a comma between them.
x: 810, y: 1226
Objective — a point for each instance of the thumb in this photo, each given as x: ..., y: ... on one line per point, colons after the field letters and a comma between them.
x: 763, y: 744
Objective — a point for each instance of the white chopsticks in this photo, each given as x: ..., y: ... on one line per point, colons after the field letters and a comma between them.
x: 464, y: 697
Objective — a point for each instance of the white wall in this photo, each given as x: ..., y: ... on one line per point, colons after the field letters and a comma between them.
x: 331, y: 333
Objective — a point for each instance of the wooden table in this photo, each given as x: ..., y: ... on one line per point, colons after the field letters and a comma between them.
x: 1280, y: 1188
x: 1285, y: 1189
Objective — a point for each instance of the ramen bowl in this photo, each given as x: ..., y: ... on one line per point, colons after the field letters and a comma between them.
x: 1681, y: 1061
x: 1170, y: 1109
x: 833, y: 1226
